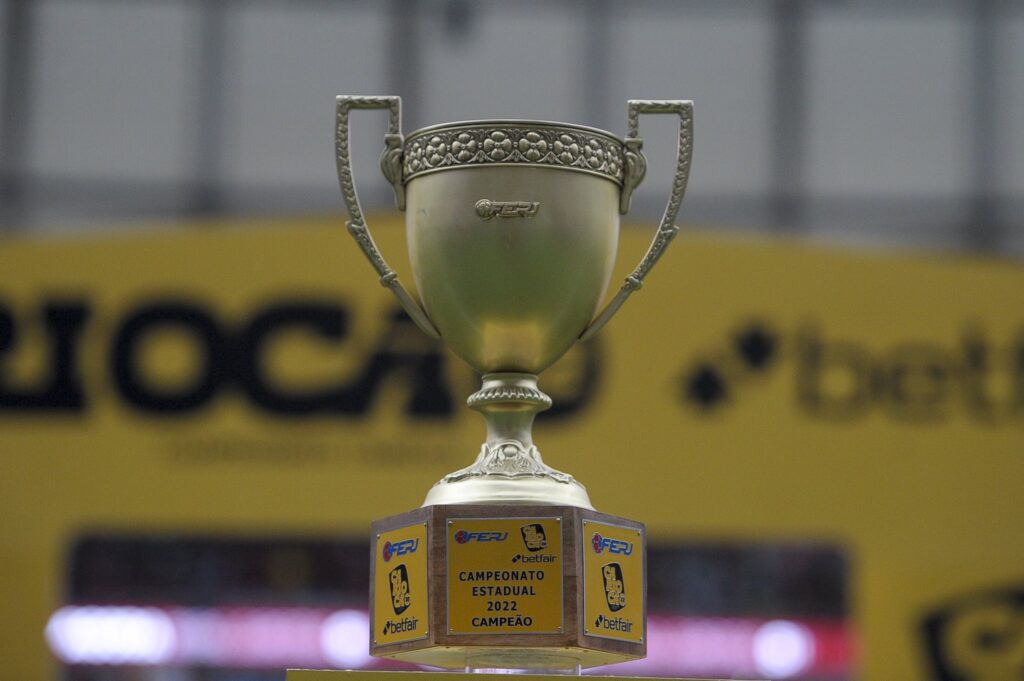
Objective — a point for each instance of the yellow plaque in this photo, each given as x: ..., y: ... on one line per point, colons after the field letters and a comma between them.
x: 613, y: 582
x: 400, y: 585
x: 505, y: 575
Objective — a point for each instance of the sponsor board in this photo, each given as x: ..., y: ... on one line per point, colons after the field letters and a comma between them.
x: 400, y: 600
x: 613, y: 582
x: 505, y: 575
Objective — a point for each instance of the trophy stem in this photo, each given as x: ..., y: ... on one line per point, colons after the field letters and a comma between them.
x: 509, y: 402
x: 509, y: 468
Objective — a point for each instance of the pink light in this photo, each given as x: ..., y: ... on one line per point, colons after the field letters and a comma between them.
x: 278, y: 638
x: 783, y: 649
x: 268, y: 638
x: 345, y: 639
x: 111, y: 635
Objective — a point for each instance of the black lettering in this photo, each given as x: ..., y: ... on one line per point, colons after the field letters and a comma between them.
x: 173, y: 314
x: 402, y: 348
x: 983, y: 382
x: 328, y: 321
x: 916, y: 383
x: 816, y: 360
x: 62, y: 389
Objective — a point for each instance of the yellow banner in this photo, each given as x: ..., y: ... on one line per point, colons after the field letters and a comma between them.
x: 180, y: 380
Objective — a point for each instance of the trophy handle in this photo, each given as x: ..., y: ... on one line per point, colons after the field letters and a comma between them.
x: 391, y: 166
x: 636, y: 167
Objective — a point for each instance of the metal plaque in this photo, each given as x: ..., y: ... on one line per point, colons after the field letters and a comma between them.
x: 505, y: 575
x: 613, y: 582
x: 400, y: 585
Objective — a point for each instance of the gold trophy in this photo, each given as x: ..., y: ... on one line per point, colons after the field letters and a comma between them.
x: 512, y: 229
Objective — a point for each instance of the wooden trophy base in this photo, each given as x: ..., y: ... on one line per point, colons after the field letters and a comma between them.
x: 508, y: 586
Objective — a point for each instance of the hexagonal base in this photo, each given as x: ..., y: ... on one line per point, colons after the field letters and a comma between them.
x: 508, y: 586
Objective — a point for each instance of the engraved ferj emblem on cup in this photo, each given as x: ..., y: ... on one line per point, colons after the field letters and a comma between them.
x: 512, y: 230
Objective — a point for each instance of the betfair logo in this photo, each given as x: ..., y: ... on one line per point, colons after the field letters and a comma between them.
x: 918, y: 382
x: 613, y: 624
x: 534, y: 537
x: 534, y: 558
x: 401, y: 598
x: 401, y: 626
x: 614, y: 586
x: 712, y: 380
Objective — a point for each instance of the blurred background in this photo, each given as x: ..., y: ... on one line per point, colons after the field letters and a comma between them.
x: 891, y: 123
x: 837, y: 399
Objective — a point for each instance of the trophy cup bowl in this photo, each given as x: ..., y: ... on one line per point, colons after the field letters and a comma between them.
x: 511, y: 260
x: 512, y: 228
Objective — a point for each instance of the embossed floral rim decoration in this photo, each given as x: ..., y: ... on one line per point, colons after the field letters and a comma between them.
x: 511, y: 143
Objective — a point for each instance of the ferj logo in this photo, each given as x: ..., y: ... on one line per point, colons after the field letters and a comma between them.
x: 601, y: 544
x: 399, y: 548
x: 463, y: 537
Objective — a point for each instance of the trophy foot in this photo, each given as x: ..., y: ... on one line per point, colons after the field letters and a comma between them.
x: 509, y: 468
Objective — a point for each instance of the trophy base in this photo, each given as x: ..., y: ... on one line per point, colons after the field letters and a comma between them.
x: 492, y: 586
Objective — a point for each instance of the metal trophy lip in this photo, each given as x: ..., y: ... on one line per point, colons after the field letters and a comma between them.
x: 518, y: 122
x: 611, y: 147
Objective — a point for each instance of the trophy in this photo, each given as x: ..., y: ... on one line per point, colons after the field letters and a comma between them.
x: 512, y: 229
